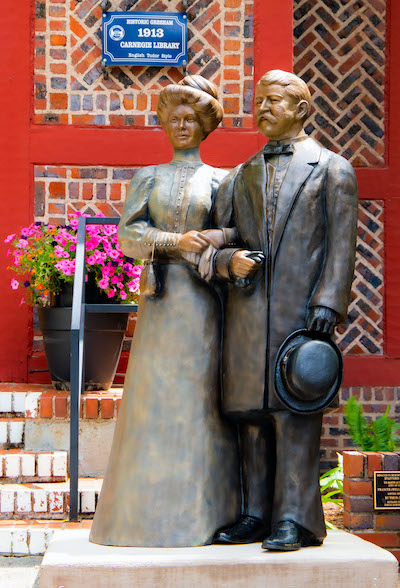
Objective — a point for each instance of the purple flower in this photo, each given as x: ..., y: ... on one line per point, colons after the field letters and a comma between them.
x: 27, y: 283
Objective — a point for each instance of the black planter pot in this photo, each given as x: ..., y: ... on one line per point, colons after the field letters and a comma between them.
x: 104, y: 336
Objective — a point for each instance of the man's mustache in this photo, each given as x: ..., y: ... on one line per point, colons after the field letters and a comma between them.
x: 261, y: 117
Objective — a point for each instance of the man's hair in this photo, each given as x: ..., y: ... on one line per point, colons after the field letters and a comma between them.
x: 294, y: 86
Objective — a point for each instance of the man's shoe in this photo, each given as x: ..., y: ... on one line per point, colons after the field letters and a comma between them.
x: 247, y: 530
x: 289, y: 536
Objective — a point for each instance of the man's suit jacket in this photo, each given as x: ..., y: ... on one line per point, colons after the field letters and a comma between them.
x: 310, y: 262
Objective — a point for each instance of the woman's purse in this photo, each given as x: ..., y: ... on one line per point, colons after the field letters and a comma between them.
x: 150, y: 279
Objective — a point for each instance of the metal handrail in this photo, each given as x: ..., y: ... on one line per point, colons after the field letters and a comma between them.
x: 77, y: 366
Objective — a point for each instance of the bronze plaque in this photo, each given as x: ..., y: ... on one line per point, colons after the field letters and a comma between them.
x: 387, y: 490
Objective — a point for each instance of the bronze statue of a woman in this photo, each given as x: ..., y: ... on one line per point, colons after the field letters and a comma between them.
x: 172, y: 475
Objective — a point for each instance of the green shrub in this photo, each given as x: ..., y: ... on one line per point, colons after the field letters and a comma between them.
x: 371, y: 435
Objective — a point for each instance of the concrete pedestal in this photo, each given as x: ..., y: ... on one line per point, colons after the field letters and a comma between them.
x: 344, y: 560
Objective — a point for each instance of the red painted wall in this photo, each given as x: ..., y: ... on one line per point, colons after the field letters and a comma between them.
x: 22, y: 145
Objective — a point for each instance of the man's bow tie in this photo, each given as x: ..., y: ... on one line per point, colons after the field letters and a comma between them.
x: 278, y: 149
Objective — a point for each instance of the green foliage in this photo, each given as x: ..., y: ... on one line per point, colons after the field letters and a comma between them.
x: 331, y: 484
x: 371, y: 435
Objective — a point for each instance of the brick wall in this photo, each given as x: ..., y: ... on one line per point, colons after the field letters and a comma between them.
x: 62, y: 190
x: 339, y: 50
x: 69, y: 84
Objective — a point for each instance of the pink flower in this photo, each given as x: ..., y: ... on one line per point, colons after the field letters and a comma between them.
x: 92, y: 244
x: 91, y: 260
x: 66, y: 267
x: 133, y: 285
x: 114, y: 254
x: 14, y: 284
x: 109, y: 230
x: 111, y: 293
x: 9, y: 238
x: 103, y: 283
x: 108, y: 271
x: 137, y: 270
x: 123, y: 295
x: 58, y: 251
x: 114, y: 280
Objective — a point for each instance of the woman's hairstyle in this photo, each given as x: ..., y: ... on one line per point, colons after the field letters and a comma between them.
x: 198, y: 93
x: 295, y: 86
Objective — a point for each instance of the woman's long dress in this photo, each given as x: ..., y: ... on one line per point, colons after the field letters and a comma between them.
x: 172, y: 477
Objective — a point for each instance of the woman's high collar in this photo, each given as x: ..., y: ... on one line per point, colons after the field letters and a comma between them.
x: 188, y: 156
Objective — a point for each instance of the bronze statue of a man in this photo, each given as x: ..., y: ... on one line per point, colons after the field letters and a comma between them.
x: 296, y: 202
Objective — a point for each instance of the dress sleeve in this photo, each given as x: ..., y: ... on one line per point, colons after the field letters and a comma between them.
x: 136, y: 233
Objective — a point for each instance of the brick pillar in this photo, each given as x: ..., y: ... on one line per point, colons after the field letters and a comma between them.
x: 377, y: 526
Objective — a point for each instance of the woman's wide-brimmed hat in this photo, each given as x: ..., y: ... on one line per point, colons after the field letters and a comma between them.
x: 308, y: 372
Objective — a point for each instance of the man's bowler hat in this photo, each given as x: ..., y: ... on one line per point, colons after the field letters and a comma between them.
x: 308, y: 372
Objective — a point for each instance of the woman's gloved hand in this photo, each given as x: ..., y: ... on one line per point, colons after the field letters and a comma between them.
x: 192, y: 242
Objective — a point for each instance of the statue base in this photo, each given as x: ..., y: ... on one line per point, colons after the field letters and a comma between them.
x: 344, y: 560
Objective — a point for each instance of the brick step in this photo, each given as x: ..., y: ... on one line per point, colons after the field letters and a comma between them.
x: 35, y: 417
x: 34, y: 401
x: 32, y: 537
x: 12, y: 432
x: 18, y: 466
x: 47, y: 500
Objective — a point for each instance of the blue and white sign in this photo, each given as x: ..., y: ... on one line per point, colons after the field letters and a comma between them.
x: 144, y: 38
